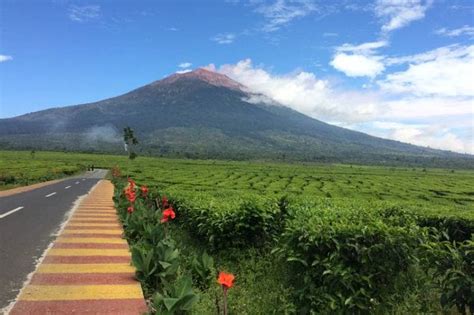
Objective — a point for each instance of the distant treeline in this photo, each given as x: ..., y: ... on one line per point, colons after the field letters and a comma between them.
x: 236, y: 152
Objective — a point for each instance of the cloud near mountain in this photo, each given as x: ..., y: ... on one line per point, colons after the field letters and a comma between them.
x: 434, y: 86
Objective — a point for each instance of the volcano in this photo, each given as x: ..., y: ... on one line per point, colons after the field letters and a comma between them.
x: 204, y: 114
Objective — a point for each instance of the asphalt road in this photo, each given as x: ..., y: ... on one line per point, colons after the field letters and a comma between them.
x: 28, y: 222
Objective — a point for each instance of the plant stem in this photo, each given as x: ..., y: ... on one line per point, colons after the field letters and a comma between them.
x: 225, y: 300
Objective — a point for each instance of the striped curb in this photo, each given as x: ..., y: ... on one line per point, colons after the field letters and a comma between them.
x: 87, y: 270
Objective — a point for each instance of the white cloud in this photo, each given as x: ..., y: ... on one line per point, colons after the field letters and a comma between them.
x: 282, y: 12
x: 365, y: 48
x: 304, y: 92
x: 433, y: 135
x: 446, y: 71
x: 361, y: 62
x: 409, y: 118
x: 427, y: 108
x: 358, y: 65
x: 399, y: 13
x: 84, y: 13
x: 4, y: 58
x: 225, y: 38
x: 394, y: 125
x: 183, y: 71
x: 185, y: 65
x: 330, y: 34
x: 465, y: 30
x: 453, y: 51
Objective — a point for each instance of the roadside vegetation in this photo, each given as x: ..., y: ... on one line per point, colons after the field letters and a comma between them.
x: 29, y: 167
x: 299, y: 238
x: 291, y: 255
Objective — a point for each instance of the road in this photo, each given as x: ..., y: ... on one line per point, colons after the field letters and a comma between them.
x: 28, y: 224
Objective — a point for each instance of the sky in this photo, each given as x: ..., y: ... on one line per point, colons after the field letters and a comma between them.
x: 398, y: 69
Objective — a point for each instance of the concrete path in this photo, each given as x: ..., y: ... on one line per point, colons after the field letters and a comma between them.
x: 87, y: 270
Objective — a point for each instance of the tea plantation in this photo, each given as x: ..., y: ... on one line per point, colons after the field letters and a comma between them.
x: 299, y: 238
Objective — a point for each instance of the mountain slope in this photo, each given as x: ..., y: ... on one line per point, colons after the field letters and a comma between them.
x: 204, y: 114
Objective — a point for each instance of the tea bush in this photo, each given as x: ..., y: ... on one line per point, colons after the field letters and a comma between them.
x: 350, y: 260
x: 453, y: 265
x: 452, y: 228
x: 338, y: 256
x: 237, y: 221
x: 229, y: 208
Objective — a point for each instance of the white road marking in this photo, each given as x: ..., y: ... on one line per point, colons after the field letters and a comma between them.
x: 83, y: 179
x: 67, y: 187
x: 77, y: 183
x: 10, y: 212
x: 51, y: 194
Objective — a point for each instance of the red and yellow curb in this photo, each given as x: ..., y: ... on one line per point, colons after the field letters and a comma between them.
x: 87, y: 270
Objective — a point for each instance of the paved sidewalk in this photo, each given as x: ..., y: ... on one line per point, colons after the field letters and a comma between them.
x: 87, y: 271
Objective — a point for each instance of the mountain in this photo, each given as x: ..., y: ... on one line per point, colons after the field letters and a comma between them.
x: 204, y: 114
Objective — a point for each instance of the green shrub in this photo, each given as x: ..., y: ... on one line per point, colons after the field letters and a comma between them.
x: 453, y: 265
x: 340, y: 256
x: 349, y: 259
x: 7, y: 179
x: 453, y: 228
x: 237, y: 221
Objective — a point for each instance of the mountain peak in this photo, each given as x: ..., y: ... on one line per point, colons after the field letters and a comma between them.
x: 202, y: 74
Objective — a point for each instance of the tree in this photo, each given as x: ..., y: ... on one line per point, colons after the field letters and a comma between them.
x: 130, y: 141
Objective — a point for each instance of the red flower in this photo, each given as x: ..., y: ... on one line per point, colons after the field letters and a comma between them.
x: 144, y: 190
x: 129, y: 190
x: 130, y: 209
x: 164, y: 202
x: 131, y: 196
x: 167, y: 215
x: 132, y: 183
x: 226, y: 279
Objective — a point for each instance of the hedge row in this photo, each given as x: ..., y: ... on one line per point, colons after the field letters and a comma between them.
x: 350, y: 259
x: 343, y: 257
x: 452, y: 228
x: 236, y: 221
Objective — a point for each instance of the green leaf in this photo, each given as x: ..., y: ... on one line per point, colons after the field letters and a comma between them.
x: 170, y: 303
x: 164, y: 264
x: 297, y: 260
x: 187, y: 301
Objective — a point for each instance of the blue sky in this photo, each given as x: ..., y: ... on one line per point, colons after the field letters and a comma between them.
x: 399, y: 69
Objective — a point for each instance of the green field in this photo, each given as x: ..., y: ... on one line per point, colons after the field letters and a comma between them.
x: 445, y: 190
x: 322, y: 238
x: 21, y: 169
